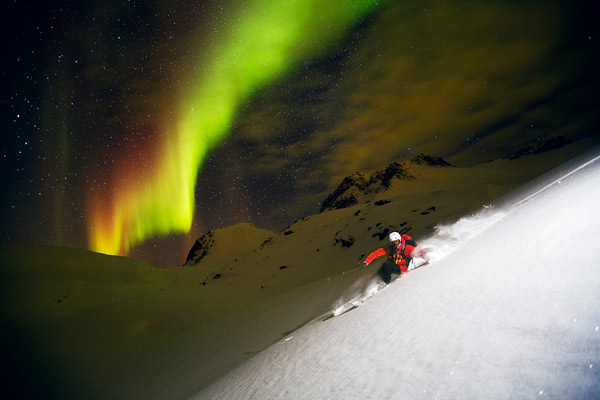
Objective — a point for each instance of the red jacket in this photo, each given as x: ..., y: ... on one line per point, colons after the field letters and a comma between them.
x: 393, y: 253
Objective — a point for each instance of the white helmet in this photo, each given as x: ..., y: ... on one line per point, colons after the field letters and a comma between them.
x: 395, y: 236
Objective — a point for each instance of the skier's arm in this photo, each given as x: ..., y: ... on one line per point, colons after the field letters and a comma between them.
x: 377, y: 253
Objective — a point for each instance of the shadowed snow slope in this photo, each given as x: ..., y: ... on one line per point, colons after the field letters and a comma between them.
x: 513, y: 311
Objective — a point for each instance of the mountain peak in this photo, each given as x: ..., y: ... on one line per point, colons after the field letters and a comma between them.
x: 223, y: 245
x: 428, y: 160
x: 355, y: 185
x: 347, y: 192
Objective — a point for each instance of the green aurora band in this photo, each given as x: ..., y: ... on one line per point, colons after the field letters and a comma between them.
x: 255, y: 45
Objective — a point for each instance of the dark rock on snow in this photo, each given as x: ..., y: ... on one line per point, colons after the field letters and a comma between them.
x: 353, y: 186
x: 432, y: 161
x: 394, y: 170
x: 346, y: 194
x: 200, y: 248
x: 346, y: 242
x: 382, y: 234
x: 550, y: 144
x: 429, y: 210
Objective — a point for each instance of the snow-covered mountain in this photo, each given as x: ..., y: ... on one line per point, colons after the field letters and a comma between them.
x: 355, y: 187
x: 411, y: 196
x: 509, y: 308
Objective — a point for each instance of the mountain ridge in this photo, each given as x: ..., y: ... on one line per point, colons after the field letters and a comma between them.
x: 355, y: 185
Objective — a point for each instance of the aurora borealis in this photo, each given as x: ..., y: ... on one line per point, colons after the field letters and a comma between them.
x: 260, y: 42
x: 133, y: 127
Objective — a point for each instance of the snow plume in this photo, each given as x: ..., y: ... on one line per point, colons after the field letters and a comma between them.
x: 363, y: 289
x: 444, y: 241
x: 448, y: 238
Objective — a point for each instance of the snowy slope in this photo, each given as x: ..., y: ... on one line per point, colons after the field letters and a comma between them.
x: 511, y: 310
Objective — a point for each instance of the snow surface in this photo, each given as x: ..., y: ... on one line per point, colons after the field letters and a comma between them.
x: 509, y: 308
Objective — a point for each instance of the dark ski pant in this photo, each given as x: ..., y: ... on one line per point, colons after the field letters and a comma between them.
x: 387, y: 269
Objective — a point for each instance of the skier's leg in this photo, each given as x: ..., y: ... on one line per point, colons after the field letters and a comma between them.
x: 395, y: 269
x: 384, y: 273
x: 387, y: 269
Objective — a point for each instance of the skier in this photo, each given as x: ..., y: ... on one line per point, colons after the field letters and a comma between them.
x: 400, y: 252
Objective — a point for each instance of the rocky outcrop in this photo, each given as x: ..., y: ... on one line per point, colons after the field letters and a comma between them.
x: 200, y: 248
x: 550, y: 144
x: 346, y: 241
x: 347, y: 193
x: 353, y: 187
x: 422, y: 159
x: 220, y: 247
x: 385, y: 177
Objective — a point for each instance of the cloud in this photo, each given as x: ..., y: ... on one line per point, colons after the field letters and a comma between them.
x: 472, y: 81
x: 442, y: 79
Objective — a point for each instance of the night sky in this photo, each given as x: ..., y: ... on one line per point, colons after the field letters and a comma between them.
x: 133, y: 127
